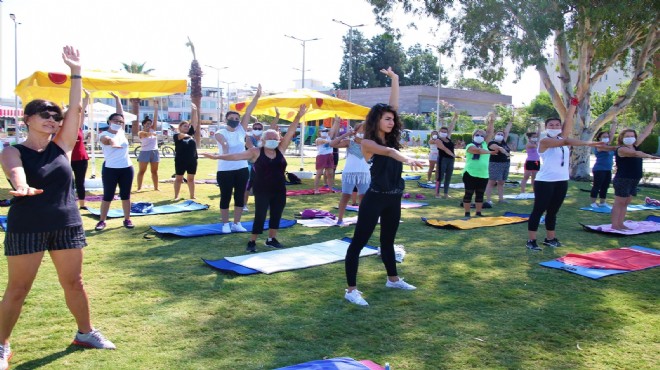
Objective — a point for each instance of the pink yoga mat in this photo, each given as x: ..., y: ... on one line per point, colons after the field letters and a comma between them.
x: 291, y: 193
x: 614, y: 259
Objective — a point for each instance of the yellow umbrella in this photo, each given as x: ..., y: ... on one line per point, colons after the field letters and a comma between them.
x: 55, y: 86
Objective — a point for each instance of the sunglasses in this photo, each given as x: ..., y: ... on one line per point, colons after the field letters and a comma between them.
x: 47, y: 115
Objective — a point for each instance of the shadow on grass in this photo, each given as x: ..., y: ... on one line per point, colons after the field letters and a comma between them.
x: 44, y: 361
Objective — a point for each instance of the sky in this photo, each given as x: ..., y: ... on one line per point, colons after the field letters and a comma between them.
x: 247, y: 36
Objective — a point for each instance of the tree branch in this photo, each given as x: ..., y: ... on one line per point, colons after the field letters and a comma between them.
x: 564, y: 65
x: 632, y: 36
x: 554, y: 94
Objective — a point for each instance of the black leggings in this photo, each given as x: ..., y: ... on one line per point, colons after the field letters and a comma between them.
x: 232, y: 181
x: 474, y: 185
x: 374, y: 205
x: 602, y: 180
x: 112, y: 177
x: 79, y: 170
x: 262, y: 202
x: 548, y: 198
x: 445, y: 168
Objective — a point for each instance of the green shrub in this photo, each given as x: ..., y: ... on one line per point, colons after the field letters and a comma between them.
x: 650, y: 144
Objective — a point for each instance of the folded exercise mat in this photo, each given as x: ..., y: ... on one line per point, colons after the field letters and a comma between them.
x: 404, y: 205
x: 185, y: 206
x: 475, y: 222
x: 425, y: 185
x: 291, y: 193
x: 635, y: 207
x: 411, y: 177
x: 197, y: 181
x: 291, y: 258
x: 339, y: 363
x: 519, y: 196
x: 326, y: 221
x: 650, y: 225
x: 3, y: 222
x: 605, y: 263
x: 188, y: 231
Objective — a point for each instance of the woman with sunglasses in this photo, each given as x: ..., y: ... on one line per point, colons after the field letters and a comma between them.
x: 551, y: 182
x: 185, y: 153
x: 43, y: 216
x: 117, y: 168
x: 475, y: 173
x: 380, y: 147
x: 149, y: 151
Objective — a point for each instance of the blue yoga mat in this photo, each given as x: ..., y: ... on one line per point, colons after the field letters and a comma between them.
x: 338, y: 363
x: 636, y: 207
x: 185, y: 206
x: 411, y: 177
x: 3, y: 222
x: 425, y: 185
x: 653, y: 218
x: 589, y: 272
x: 187, y: 231
x: 514, y: 214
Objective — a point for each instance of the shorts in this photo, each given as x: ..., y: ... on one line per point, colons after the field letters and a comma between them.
x: 625, y: 187
x: 324, y: 161
x: 498, y: 171
x: 149, y: 156
x: 72, y: 237
x: 532, y: 165
x: 189, y: 166
x: 349, y: 188
x: 433, y: 156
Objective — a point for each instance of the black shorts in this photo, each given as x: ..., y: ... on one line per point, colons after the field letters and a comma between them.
x: 17, y: 244
x: 625, y: 187
x: 532, y: 165
x: 181, y: 167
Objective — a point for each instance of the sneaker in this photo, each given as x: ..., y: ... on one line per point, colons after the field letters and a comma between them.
x: 355, y: 297
x: 245, y: 209
x: 251, y: 247
x: 100, y: 226
x: 238, y: 228
x: 399, y: 253
x: 594, y: 205
x: 340, y: 223
x: 273, y: 243
x: 128, y: 224
x: 5, y: 356
x: 400, y: 284
x: 226, y: 228
x: 552, y: 242
x: 605, y: 205
x: 532, y: 246
x: 93, y: 339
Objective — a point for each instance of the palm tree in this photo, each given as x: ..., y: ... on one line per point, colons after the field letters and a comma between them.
x: 195, y: 75
x: 136, y: 68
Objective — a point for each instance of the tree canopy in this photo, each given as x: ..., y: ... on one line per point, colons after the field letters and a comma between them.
x: 474, y: 84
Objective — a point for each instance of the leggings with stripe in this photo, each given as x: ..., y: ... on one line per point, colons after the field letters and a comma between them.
x: 548, y: 198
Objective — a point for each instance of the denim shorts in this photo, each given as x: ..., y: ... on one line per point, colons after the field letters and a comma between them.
x: 149, y: 156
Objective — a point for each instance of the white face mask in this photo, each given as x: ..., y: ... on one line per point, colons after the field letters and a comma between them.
x: 553, y: 132
x: 256, y: 132
x: 115, y: 127
x: 359, y: 135
x: 629, y: 140
x: 443, y: 135
x: 478, y: 139
x: 499, y: 137
x: 534, y: 139
x: 271, y: 144
x: 324, y: 134
x: 605, y: 140
x: 434, y: 137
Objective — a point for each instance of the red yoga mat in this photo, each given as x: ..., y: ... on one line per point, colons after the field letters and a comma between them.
x: 614, y: 259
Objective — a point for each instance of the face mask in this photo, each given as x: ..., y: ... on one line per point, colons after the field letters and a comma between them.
x: 434, y: 137
x: 629, y: 140
x: 605, y: 140
x: 271, y: 144
x: 233, y: 123
x: 499, y: 137
x: 534, y: 139
x: 256, y: 132
x: 324, y: 134
x: 443, y: 135
x: 360, y: 135
x: 553, y: 132
x: 478, y: 139
x: 115, y: 127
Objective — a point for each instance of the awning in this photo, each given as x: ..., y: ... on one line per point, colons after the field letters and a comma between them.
x: 6, y: 111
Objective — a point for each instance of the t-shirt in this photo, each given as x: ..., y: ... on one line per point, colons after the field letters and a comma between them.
x: 324, y: 148
x: 604, y: 160
x: 149, y: 142
x: 552, y: 169
x: 185, y: 149
x: 116, y: 157
x: 476, y: 167
x: 79, y: 153
x: 235, y: 144
x: 500, y: 157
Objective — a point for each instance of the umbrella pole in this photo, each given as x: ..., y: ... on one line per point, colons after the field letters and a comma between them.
x: 92, y: 132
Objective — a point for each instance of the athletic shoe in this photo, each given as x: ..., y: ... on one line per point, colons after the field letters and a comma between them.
x: 273, y: 243
x: 594, y: 205
x: 355, y: 297
x: 400, y: 284
x: 605, y: 205
x: 399, y: 253
x: 100, y: 226
x: 226, y: 228
x: 552, y: 242
x: 340, y: 223
x: 238, y: 228
x: 532, y: 246
x: 245, y: 209
x: 128, y: 224
x: 93, y: 339
x: 5, y: 356
x: 251, y: 247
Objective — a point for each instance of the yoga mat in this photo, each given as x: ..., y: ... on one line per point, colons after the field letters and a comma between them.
x: 224, y: 265
x: 475, y: 222
x: 633, y: 208
x: 519, y: 196
x: 425, y: 185
x: 98, y: 198
x: 326, y: 221
x: 3, y: 222
x: 411, y: 177
x: 292, y: 193
x: 404, y: 205
x: 597, y: 273
x: 185, y: 206
x: 638, y: 227
x: 338, y: 363
x: 187, y: 231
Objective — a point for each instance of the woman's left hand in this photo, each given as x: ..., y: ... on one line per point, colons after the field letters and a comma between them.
x: 71, y: 57
x: 416, y: 165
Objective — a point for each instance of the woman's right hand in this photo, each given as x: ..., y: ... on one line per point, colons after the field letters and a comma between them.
x: 193, y: 107
x: 25, y: 191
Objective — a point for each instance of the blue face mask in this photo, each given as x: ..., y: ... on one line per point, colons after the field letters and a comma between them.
x: 233, y: 123
x: 271, y: 144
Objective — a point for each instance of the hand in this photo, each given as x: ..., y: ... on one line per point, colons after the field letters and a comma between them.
x: 415, y: 164
x: 113, y: 95
x: 258, y: 92
x: 389, y: 73
x: 23, y: 191
x: 277, y: 112
x: 71, y: 57
x: 86, y: 94
x: 193, y: 107
x: 302, y: 110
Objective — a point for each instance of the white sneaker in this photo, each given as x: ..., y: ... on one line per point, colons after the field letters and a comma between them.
x: 226, y: 228
x: 399, y: 253
x: 238, y: 228
x: 5, y: 356
x: 594, y: 205
x: 355, y: 297
x: 245, y: 209
x: 93, y: 339
x: 400, y: 284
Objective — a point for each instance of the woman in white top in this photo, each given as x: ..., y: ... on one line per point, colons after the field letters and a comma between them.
x: 551, y: 182
x: 433, y: 153
x: 117, y: 167
x: 149, y: 150
x: 232, y: 176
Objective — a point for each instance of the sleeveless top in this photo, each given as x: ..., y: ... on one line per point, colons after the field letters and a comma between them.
x: 449, y: 145
x: 604, y: 160
x: 150, y: 142
x: 500, y: 157
x: 79, y: 153
x: 551, y: 164
x: 386, y: 175
x: 116, y: 157
x: 185, y: 149
x: 53, y: 209
x: 533, y: 153
x: 433, y: 148
x: 269, y: 173
x: 235, y: 144
x: 356, y: 169
x: 628, y: 167
x: 476, y: 167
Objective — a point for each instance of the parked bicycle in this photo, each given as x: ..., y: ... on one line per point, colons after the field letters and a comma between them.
x: 165, y: 151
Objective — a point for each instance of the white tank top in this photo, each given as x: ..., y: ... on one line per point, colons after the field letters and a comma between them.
x: 551, y: 164
x: 235, y: 144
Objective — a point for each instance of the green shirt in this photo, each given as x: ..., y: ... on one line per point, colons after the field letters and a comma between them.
x: 476, y: 167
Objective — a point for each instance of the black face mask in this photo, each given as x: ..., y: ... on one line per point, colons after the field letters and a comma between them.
x: 233, y: 123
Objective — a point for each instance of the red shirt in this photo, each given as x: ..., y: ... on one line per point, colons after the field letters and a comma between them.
x: 79, y: 153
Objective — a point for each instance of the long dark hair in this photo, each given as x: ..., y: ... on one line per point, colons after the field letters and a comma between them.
x: 371, y: 125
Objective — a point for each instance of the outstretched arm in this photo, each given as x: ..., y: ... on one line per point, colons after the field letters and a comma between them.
x: 394, y: 90
x: 245, y: 120
x: 284, y: 143
x: 647, y: 130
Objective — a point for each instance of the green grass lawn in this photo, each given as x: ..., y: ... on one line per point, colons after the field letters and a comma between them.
x: 482, y: 300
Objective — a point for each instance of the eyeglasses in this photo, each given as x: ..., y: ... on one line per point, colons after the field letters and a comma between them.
x: 47, y: 115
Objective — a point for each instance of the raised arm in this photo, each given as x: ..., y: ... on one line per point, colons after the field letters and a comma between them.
x: 85, y: 103
x: 569, y: 121
x: 118, y: 107
x: 286, y: 140
x: 647, y: 130
x: 245, y: 120
x: 507, y: 129
x: 194, y: 122
x: 490, y: 127
x: 155, y: 122
x: 334, y: 130
x: 68, y: 133
x: 452, y: 124
x: 613, y: 125
x: 394, y: 90
x: 276, y: 120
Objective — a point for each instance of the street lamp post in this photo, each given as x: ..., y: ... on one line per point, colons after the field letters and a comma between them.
x: 228, y: 83
x: 217, y: 70
x: 302, y: 42
x: 350, y: 53
x: 13, y: 18
x: 437, y: 101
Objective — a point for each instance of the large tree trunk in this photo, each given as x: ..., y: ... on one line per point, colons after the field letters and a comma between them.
x: 135, y: 109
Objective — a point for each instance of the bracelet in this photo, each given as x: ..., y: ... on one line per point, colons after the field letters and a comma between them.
x: 75, y: 77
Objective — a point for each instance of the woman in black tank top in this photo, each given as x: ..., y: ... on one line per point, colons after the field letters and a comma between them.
x: 383, y: 199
